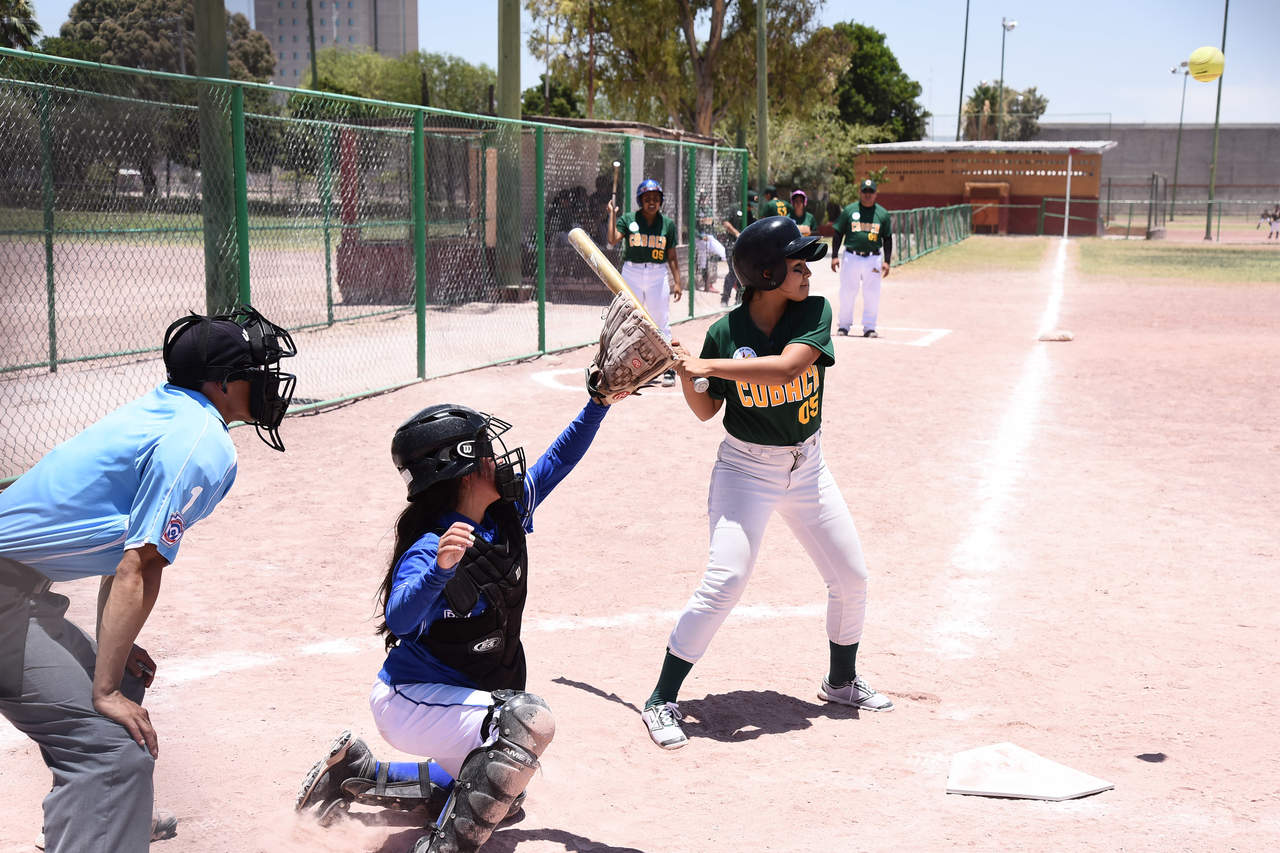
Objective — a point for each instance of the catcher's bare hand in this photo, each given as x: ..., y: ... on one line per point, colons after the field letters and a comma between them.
x: 454, y: 543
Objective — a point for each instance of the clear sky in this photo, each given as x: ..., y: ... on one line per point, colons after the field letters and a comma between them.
x: 1096, y: 60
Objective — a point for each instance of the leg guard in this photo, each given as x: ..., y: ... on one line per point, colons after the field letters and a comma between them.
x: 400, y: 796
x: 493, y: 776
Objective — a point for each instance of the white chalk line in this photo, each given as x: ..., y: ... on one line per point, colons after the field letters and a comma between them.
x: 976, y: 560
x: 185, y: 670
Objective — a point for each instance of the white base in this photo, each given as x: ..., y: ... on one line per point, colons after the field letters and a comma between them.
x: 1006, y: 770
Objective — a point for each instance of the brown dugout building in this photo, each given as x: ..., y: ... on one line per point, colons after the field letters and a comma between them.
x: 1014, y: 187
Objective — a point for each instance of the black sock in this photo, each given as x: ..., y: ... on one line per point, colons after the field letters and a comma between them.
x: 669, y: 680
x: 843, y: 664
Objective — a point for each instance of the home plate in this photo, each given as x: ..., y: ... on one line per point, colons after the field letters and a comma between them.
x: 1006, y: 770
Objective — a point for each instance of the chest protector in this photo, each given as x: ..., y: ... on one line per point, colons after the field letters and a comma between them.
x: 486, y: 647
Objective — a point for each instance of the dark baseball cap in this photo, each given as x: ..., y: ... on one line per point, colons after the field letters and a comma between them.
x: 771, y: 189
x: 868, y: 186
x: 206, y: 349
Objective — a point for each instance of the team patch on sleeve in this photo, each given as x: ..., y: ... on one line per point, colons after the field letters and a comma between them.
x: 173, y: 529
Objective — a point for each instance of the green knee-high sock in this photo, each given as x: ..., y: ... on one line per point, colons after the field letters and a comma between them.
x: 669, y: 680
x: 843, y: 664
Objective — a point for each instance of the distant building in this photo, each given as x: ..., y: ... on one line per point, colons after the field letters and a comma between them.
x: 389, y: 27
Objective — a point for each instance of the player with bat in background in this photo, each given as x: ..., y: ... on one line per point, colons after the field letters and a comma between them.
x: 649, y: 263
x: 766, y: 365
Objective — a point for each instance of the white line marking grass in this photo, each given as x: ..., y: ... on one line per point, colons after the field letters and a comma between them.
x: 977, y: 560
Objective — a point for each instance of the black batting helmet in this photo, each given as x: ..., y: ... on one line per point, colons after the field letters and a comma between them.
x: 446, y: 441
x: 761, y: 251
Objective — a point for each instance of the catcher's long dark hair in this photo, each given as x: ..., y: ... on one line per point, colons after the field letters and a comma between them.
x: 419, y: 517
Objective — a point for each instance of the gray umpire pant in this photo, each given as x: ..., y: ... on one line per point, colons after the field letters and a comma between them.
x: 102, y: 780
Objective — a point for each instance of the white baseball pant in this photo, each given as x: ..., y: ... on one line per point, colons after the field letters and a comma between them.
x: 651, y: 285
x: 442, y: 722
x: 748, y: 484
x: 856, y: 270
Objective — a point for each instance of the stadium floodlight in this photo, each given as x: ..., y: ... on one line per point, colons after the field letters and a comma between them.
x: 1177, y: 151
x: 1005, y: 26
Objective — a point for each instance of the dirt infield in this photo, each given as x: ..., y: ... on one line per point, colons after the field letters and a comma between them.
x: 1072, y: 546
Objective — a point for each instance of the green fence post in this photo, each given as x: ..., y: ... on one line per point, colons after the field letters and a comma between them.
x: 746, y: 164
x: 626, y: 177
x: 1129, y: 224
x: 46, y: 187
x: 420, y: 239
x: 540, y: 230
x: 242, y: 192
x: 693, y: 226
x: 326, y: 198
x: 1219, y: 223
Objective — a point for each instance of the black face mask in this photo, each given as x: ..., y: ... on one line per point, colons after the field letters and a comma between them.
x: 270, y: 392
x: 509, y: 467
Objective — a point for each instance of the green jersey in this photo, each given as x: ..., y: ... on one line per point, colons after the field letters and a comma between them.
x: 806, y: 219
x: 864, y: 228
x: 772, y: 414
x: 773, y: 207
x: 643, y: 243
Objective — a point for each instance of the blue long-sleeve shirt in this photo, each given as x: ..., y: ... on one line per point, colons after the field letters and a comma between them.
x: 417, y: 589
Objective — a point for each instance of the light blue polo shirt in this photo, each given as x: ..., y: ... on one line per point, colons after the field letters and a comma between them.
x: 143, y: 474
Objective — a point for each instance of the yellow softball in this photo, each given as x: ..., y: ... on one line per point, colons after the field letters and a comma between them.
x: 1205, y: 64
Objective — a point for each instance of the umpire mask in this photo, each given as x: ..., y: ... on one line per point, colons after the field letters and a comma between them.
x: 238, y: 345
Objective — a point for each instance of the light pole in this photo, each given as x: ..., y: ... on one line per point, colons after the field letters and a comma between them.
x: 964, y: 52
x: 1005, y: 26
x: 1177, y: 151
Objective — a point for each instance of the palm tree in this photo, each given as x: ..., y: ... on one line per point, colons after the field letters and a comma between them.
x: 18, y: 27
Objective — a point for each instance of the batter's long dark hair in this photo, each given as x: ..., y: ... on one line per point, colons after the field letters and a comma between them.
x: 419, y: 517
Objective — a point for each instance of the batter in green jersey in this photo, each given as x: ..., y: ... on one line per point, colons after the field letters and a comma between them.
x: 867, y: 233
x: 649, y: 264
x: 765, y: 364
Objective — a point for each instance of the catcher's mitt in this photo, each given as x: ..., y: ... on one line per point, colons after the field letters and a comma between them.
x: 632, y: 352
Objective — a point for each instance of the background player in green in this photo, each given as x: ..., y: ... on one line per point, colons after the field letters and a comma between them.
x: 803, y: 219
x: 766, y: 362
x: 867, y: 233
x: 649, y: 264
x: 772, y: 205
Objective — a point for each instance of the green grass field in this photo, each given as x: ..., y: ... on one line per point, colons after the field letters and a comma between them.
x: 1180, y: 261
x: 1012, y: 253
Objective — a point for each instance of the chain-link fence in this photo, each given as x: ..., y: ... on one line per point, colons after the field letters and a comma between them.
x: 396, y: 242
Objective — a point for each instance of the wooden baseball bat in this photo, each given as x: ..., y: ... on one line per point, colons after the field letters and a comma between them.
x: 612, y: 279
x: 603, y: 269
x: 616, y: 166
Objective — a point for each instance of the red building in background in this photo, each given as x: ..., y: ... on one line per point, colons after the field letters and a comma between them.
x: 1014, y: 187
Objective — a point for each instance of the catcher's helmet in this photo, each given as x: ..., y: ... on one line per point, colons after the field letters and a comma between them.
x: 648, y: 186
x: 762, y: 249
x: 446, y: 441
x: 238, y: 345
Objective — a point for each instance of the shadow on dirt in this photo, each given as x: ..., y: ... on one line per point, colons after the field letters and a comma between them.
x: 740, y: 715
x: 748, y: 714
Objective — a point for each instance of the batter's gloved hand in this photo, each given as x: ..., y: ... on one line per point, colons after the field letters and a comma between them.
x: 632, y: 352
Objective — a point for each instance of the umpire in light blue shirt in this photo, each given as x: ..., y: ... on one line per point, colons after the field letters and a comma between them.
x: 115, y: 501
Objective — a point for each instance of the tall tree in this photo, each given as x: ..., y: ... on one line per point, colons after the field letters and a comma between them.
x: 160, y: 35
x: 441, y: 79
x: 873, y: 89
x: 18, y: 27
x: 550, y: 99
x: 1022, y: 112
x: 651, y: 64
